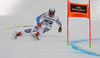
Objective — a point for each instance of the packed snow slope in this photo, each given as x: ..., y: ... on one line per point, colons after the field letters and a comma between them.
x: 51, y: 44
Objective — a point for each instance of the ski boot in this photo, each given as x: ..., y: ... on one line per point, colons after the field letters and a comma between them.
x: 18, y: 34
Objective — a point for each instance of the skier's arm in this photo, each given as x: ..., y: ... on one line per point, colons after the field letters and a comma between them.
x: 38, y: 19
x: 59, y: 25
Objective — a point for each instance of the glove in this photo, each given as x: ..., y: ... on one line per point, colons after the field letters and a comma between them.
x: 39, y: 24
x: 60, y: 29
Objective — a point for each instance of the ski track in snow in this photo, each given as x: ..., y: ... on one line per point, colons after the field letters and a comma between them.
x: 83, y: 50
x: 75, y: 47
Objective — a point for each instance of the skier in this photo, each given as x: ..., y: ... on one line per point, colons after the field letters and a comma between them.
x: 45, y: 25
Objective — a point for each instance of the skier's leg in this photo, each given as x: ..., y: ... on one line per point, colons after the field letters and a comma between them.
x: 46, y: 29
x: 43, y: 29
x: 35, y: 29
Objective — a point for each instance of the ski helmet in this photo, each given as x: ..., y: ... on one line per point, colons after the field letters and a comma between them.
x: 52, y: 10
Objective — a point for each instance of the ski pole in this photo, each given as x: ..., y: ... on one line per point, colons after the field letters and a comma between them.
x: 18, y: 27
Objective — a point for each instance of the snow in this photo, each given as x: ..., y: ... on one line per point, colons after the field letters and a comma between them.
x: 51, y: 44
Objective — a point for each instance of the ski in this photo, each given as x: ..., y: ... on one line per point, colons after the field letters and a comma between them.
x: 35, y: 37
x: 16, y: 35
